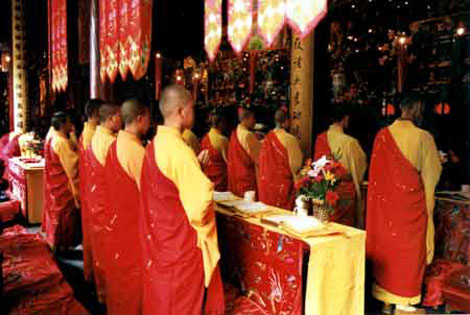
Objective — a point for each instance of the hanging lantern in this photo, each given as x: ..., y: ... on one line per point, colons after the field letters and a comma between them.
x: 442, y: 109
x: 240, y: 20
x: 271, y: 18
x: 212, y: 27
x: 304, y: 15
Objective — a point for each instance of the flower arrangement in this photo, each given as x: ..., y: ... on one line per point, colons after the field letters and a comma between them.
x: 319, y: 180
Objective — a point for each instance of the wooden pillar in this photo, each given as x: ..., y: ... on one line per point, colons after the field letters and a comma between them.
x: 95, y: 84
x: 301, y: 102
x: 19, y: 81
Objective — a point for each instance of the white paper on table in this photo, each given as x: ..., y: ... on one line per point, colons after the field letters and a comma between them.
x: 300, y: 224
x: 250, y: 207
x: 224, y: 196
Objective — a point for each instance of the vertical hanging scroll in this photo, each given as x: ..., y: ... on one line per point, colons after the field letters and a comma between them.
x: 240, y: 20
x: 212, y: 27
x: 20, y: 98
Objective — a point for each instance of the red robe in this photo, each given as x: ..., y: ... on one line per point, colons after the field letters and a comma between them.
x: 61, y: 219
x: 216, y: 170
x: 344, y: 213
x: 124, y: 285
x: 241, y: 168
x: 84, y: 169
x: 396, y: 219
x: 100, y: 221
x: 173, y: 275
x: 276, y: 182
x: 47, y: 191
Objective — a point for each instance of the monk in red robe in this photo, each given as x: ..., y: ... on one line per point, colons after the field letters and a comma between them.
x: 101, y: 217
x: 61, y: 219
x: 280, y: 159
x: 123, y: 169
x: 180, y: 249
x: 349, y: 153
x: 243, y: 155
x: 93, y: 118
x: 404, y: 172
x: 217, y: 145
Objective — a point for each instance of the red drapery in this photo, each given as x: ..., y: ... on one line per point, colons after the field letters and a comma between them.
x: 58, y: 23
x: 125, y: 32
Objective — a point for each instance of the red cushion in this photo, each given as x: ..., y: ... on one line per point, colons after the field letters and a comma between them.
x: 456, y: 289
x: 9, y: 209
x: 436, y: 273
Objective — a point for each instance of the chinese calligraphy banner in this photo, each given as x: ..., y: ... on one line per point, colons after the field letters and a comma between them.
x: 125, y: 35
x: 212, y: 27
x: 59, y: 60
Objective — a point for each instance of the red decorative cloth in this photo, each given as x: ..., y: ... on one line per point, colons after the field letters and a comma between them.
x: 9, y: 209
x: 11, y: 149
x: 434, y: 279
x: 61, y: 218
x: 58, y: 38
x: 173, y: 278
x: 83, y: 169
x: 100, y: 220
x: 124, y: 285
x: 456, y: 290
x: 241, y: 168
x: 396, y: 219
x: 345, y: 212
x: 216, y: 170
x: 125, y: 37
x: 276, y: 182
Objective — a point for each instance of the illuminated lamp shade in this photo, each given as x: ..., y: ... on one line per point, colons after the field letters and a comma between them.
x: 442, y: 109
x: 240, y: 20
x: 304, y: 15
x: 271, y: 18
x: 212, y: 27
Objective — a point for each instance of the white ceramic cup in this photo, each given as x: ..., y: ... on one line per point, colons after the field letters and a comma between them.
x: 465, y: 188
x: 249, y: 196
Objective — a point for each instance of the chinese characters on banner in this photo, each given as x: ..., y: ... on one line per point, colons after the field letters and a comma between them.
x: 125, y: 35
x: 20, y: 98
x: 59, y: 61
x: 302, y: 91
x: 212, y: 27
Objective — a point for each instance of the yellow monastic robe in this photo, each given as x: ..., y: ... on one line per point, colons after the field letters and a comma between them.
x: 353, y: 158
x: 191, y: 139
x: 178, y: 163
x: 87, y: 134
x: 100, y: 143
x: 69, y: 160
x: 130, y: 154
x: 293, y: 149
x: 249, y: 142
x: 420, y: 150
x: 219, y: 142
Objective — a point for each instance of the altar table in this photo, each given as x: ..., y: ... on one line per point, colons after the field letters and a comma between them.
x: 283, y: 274
x: 26, y: 184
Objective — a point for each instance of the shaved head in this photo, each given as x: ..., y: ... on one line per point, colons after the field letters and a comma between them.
x: 108, y: 110
x: 281, y: 116
x: 244, y: 113
x: 173, y: 97
x: 131, y: 109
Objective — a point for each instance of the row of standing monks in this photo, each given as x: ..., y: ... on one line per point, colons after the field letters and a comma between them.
x: 148, y: 223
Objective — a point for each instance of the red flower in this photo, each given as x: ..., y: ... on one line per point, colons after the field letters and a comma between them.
x: 318, y: 178
x: 332, y: 198
x: 302, y: 182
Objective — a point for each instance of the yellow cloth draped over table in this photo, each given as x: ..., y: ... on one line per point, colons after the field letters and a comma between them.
x: 178, y: 163
x: 420, y: 150
x: 336, y: 267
